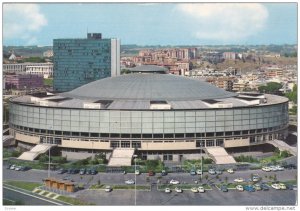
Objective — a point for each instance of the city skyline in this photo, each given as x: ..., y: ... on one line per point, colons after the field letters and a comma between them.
x: 153, y: 24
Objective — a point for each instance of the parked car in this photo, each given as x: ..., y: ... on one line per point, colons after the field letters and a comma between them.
x: 61, y: 171
x: 150, y: 173
x: 12, y: 167
x: 239, y: 179
x: 174, y: 182
x: 255, y: 178
x: 239, y: 188
x: 137, y: 172
x: 273, y: 168
x: 194, y: 190
x: 212, y: 171
x: 8, y: 166
x: 295, y: 187
x: 279, y: 168
x: 94, y: 171
x: 88, y: 171
x: 67, y: 178
x: 108, y: 189
x: 230, y: 171
x: 249, y: 188
x: 290, y: 166
x: 164, y: 173
x: 218, y: 171
x: 178, y: 190
x: 282, y: 186
x: 199, y: 172
x: 82, y: 171
x: 224, y: 188
x: 276, y: 186
x: 257, y: 187
x: 167, y: 190
x: 264, y: 187
x: 266, y: 168
x: 69, y: 171
x: 18, y: 168
x: 24, y: 168
x: 192, y: 172
x: 129, y: 182
x: 201, y: 189
x: 289, y: 187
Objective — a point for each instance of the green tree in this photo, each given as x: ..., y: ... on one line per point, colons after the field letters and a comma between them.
x: 271, y: 88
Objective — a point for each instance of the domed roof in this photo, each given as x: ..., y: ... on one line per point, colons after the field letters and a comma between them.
x: 148, y: 87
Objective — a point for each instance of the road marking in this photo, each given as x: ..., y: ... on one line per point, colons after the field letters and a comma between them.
x: 32, y: 195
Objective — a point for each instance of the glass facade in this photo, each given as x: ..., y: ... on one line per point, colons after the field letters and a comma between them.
x: 126, y: 124
x: 80, y: 61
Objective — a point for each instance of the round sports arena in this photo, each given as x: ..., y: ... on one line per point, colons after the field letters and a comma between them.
x: 152, y: 113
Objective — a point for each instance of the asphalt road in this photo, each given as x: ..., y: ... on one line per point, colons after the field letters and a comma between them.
x: 24, y: 199
x: 213, y: 197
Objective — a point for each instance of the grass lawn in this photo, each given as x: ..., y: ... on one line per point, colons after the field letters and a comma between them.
x: 52, y: 195
x: 73, y: 201
x: 45, y: 193
x: 48, y: 81
x: 30, y: 186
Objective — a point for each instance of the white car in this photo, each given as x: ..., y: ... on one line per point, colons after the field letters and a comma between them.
x: 199, y: 172
x: 276, y: 186
x: 178, y: 190
x: 137, y: 172
x: 279, y: 168
x: 129, y: 182
x: 212, y: 171
x: 282, y: 186
x: 194, y: 190
x: 12, y: 167
x: 174, y: 182
x: 239, y: 188
x: 255, y: 178
x: 273, y: 168
x: 239, y: 180
x: 18, y: 168
x: 108, y: 189
x: 266, y: 168
x: 230, y: 171
x: 201, y: 189
x: 167, y: 190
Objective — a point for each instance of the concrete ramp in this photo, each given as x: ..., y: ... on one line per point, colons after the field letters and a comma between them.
x: 219, y: 155
x: 281, y: 145
x: 35, y: 152
x: 121, y: 157
x: 8, y: 141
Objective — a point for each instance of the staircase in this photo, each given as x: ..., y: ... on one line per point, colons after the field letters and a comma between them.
x: 219, y: 155
x: 121, y: 157
x: 35, y: 151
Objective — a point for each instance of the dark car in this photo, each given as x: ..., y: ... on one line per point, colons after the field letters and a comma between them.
x: 24, y: 168
x: 224, y: 188
x: 150, y: 173
x: 289, y: 187
x: 192, y: 172
x: 88, y: 171
x: 69, y: 171
x: 75, y: 171
x: 249, y: 188
x: 8, y: 167
x: 164, y: 173
x: 264, y: 187
x: 94, y: 172
x: 61, y: 171
x: 82, y: 171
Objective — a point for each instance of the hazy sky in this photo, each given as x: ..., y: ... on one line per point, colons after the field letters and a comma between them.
x: 152, y: 24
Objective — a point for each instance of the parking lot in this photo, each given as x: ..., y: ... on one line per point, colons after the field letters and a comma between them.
x: 155, y: 197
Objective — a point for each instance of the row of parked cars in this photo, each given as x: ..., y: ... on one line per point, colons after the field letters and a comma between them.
x: 76, y: 171
x: 18, y: 168
x: 264, y: 186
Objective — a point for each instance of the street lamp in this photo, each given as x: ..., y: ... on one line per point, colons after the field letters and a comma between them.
x: 134, y: 157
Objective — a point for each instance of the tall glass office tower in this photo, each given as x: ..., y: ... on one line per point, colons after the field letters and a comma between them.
x: 81, y: 61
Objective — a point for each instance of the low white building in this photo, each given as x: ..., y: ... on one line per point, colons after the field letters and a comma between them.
x: 45, y: 70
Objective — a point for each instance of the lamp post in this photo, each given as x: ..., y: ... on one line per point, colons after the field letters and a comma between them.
x: 134, y: 157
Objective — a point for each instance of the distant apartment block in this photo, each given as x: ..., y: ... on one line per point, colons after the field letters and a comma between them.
x: 23, y: 81
x: 225, y: 83
x: 81, y: 61
x: 21, y: 68
x: 229, y: 55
